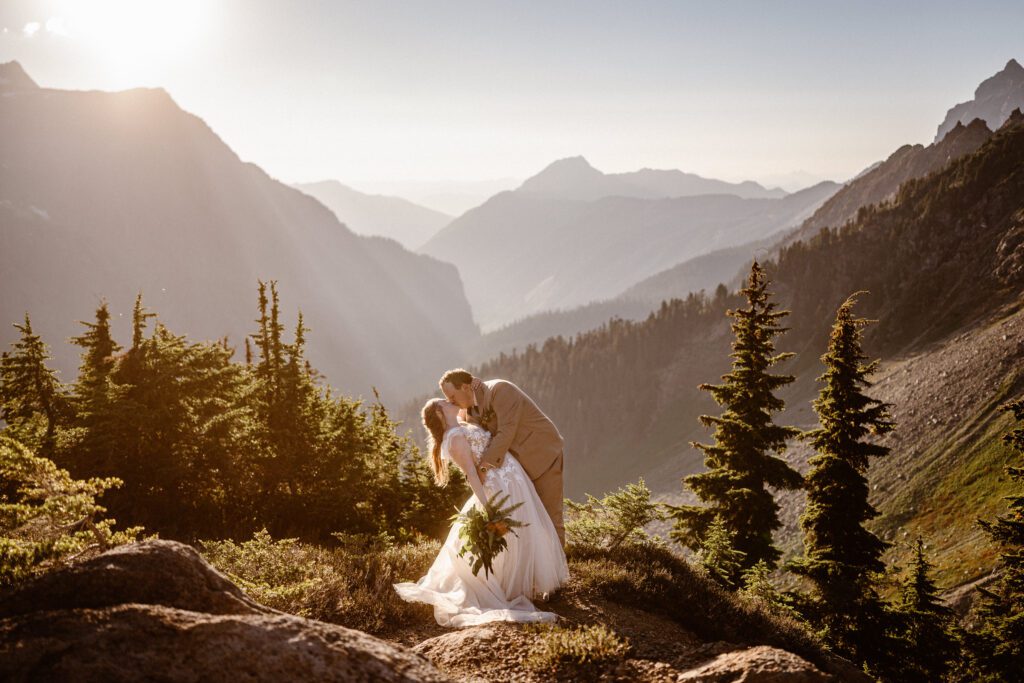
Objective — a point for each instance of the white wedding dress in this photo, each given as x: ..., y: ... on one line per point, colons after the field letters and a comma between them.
x: 533, y: 563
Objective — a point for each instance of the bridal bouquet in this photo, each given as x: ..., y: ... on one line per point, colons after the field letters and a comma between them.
x: 483, y: 532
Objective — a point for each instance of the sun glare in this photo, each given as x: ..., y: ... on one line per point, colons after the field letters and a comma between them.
x: 131, y: 35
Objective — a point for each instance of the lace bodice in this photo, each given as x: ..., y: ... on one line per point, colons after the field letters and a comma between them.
x: 479, y: 438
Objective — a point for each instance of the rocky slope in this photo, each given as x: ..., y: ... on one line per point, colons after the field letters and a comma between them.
x: 104, y: 194
x: 157, y: 609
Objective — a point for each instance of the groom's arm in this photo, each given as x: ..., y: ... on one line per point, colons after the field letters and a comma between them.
x: 508, y: 406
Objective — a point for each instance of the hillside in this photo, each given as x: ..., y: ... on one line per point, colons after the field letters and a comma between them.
x: 522, y: 252
x: 105, y: 194
x: 883, y: 180
x: 705, y: 272
x: 944, y: 261
x: 372, y: 214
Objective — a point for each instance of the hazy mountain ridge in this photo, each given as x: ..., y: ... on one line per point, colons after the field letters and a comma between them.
x: 574, y: 178
x: 994, y: 100
x: 525, y: 252
x: 378, y: 215
x: 105, y: 194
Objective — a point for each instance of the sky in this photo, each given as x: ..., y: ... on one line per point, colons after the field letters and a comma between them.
x: 383, y: 92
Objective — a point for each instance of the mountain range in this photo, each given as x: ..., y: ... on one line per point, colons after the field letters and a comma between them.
x: 941, y: 268
x: 878, y: 183
x: 560, y: 240
x: 105, y: 194
x: 372, y: 214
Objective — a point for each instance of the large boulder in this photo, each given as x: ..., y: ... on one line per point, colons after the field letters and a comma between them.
x: 157, y: 611
x: 760, y: 664
x: 151, y: 573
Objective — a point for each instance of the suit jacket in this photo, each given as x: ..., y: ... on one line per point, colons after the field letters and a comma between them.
x: 517, y: 426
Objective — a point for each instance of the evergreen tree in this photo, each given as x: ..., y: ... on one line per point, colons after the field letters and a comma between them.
x: 741, y: 465
x: 91, y: 393
x: 841, y: 557
x: 998, y: 646
x: 98, y: 352
x: 139, y: 317
x: 33, y: 402
x: 719, y: 556
x: 930, y: 648
x: 177, y: 432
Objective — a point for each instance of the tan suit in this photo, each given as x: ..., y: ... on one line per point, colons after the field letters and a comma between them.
x: 518, y: 426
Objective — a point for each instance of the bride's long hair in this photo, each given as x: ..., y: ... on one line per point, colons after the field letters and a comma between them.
x: 435, y: 424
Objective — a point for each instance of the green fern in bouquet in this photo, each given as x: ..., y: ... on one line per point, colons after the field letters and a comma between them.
x: 483, y: 532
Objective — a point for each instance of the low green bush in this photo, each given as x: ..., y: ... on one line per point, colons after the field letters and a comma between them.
x: 582, y: 653
x: 349, y: 585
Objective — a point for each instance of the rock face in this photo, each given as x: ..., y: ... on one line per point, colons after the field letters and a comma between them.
x: 157, y: 610
x: 993, y: 101
x: 761, y: 664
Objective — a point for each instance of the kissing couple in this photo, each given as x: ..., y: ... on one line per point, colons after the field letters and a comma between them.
x: 504, y: 444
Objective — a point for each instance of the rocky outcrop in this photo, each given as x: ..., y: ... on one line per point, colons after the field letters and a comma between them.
x: 151, y: 573
x: 157, y: 610
x: 761, y: 664
x: 994, y: 100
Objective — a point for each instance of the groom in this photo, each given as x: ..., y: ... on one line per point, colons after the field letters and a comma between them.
x: 517, y: 426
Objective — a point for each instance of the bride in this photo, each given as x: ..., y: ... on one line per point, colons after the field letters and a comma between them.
x: 532, y: 564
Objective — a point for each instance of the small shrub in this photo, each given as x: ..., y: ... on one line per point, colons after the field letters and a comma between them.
x: 582, y: 653
x: 718, y: 554
x: 758, y: 588
x: 47, y: 518
x: 617, y: 519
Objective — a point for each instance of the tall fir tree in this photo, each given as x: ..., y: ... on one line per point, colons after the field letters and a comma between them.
x: 91, y: 394
x: 33, y: 402
x: 998, y: 644
x: 841, y: 557
x: 743, y: 462
x: 930, y: 647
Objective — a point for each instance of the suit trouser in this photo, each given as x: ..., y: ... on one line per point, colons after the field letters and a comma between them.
x: 549, y: 489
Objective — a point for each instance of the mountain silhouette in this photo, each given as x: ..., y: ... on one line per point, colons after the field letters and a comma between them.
x: 104, y: 194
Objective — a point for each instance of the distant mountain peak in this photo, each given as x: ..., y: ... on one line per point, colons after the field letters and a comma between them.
x: 13, y: 78
x: 994, y: 99
x: 576, y: 164
x: 572, y: 177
